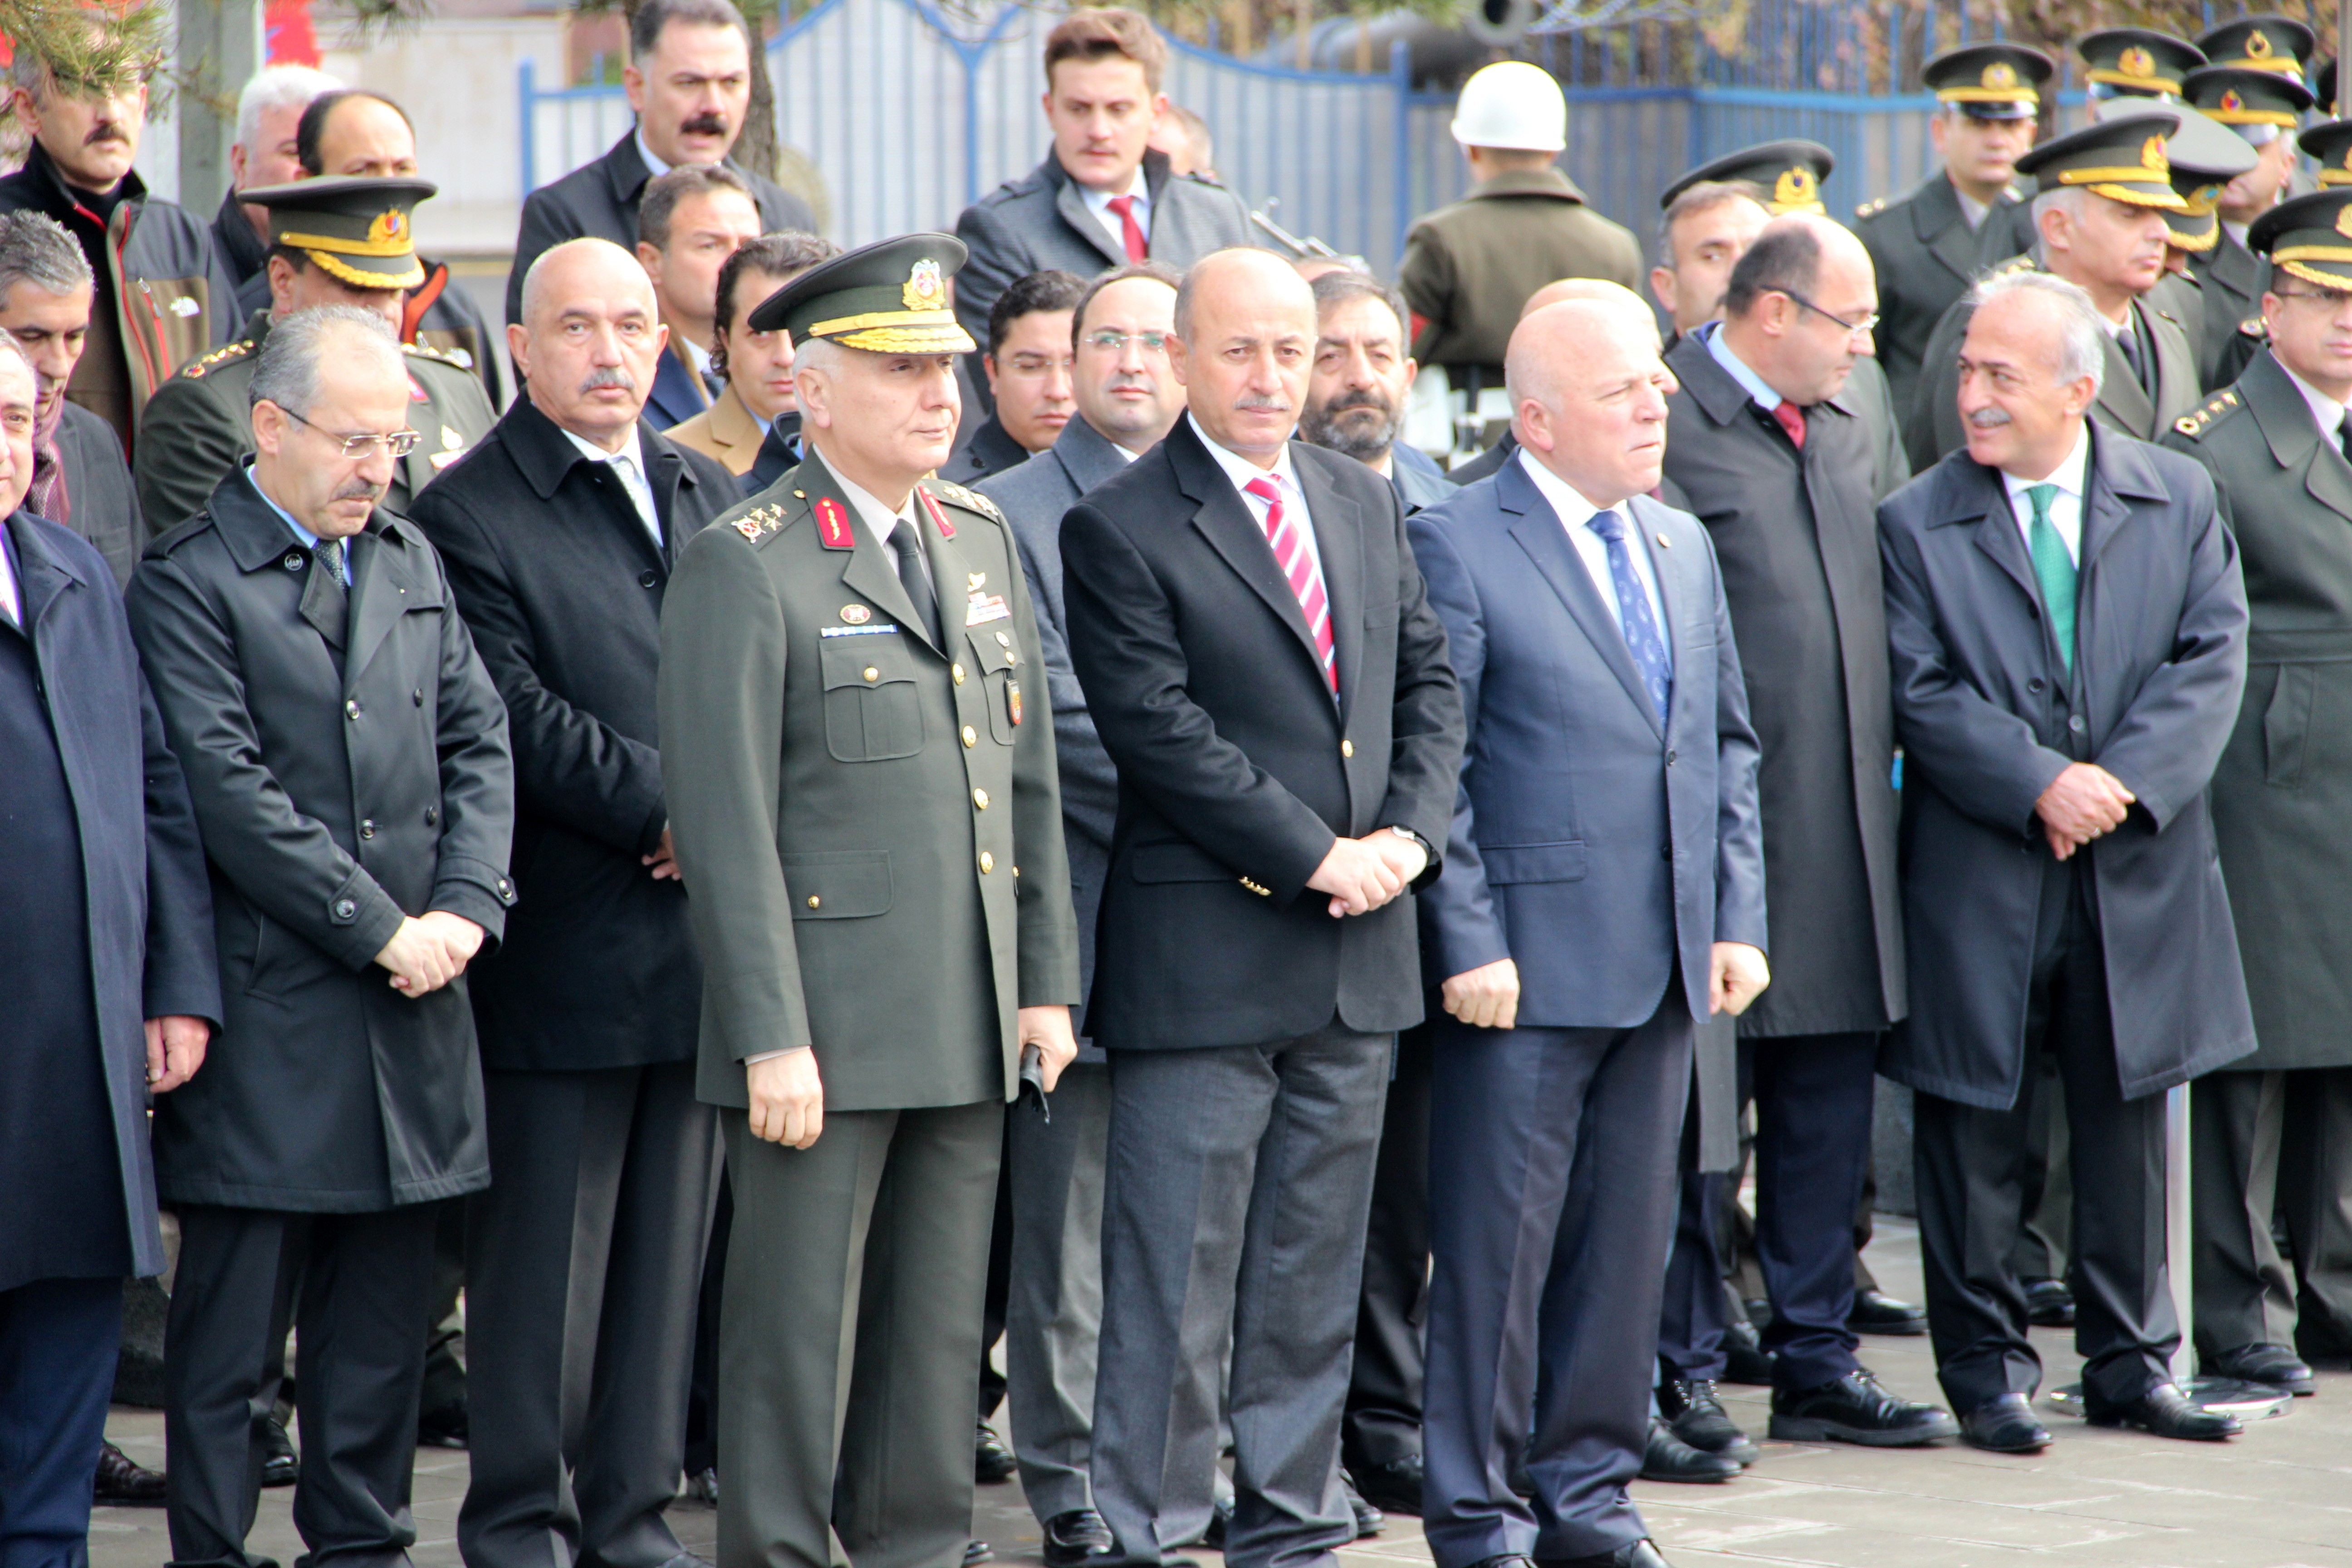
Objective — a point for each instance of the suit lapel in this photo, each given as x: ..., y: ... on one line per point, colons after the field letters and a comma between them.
x: 40, y: 578
x: 1339, y: 539
x: 2121, y: 398
x: 867, y: 573
x: 1996, y: 533
x: 950, y: 575
x: 1073, y: 208
x: 382, y: 588
x: 1538, y: 531
x: 664, y: 471
x: 1227, y: 522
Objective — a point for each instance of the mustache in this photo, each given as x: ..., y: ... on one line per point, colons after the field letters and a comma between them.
x: 359, y: 489
x: 1988, y: 419
x: 104, y: 131
x: 1255, y: 400
x: 612, y: 376
x: 709, y: 122
x: 1361, y: 397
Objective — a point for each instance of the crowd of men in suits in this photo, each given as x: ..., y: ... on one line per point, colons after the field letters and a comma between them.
x: 1305, y: 962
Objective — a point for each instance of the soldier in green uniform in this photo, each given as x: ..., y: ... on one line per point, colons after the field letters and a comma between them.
x: 2272, y: 1136
x: 2137, y: 62
x: 2100, y: 206
x: 860, y: 769
x: 2205, y: 156
x: 343, y: 241
x: 2262, y: 106
x: 1929, y: 245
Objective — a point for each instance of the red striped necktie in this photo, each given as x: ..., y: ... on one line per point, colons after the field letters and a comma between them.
x: 1298, y: 563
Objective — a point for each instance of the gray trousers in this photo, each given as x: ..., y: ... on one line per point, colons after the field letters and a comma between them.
x: 584, y: 1254
x: 849, y: 1338
x: 2265, y: 1146
x: 1240, y: 1182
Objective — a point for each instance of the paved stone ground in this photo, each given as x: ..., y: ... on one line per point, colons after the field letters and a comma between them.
x: 2280, y: 1497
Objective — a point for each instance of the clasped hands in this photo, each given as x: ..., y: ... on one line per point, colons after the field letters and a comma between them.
x: 1362, y: 874
x: 429, y: 951
x: 786, y: 1092
x: 2082, y: 802
x: 1488, y: 998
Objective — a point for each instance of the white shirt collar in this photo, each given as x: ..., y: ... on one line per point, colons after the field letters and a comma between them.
x: 655, y: 164
x: 632, y: 448
x: 880, y: 520
x: 1572, y: 506
x: 2236, y: 231
x: 1240, y: 471
x: 2326, y: 410
x: 1756, y: 386
x: 1098, y: 202
x: 697, y: 356
x: 628, y: 466
x: 2069, y: 476
x: 1973, y: 211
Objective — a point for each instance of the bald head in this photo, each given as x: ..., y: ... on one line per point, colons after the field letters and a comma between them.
x: 1799, y: 309
x: 1589, y: 396
x: 589, y: 339
x: 1597, y: 290
x: 1245, y: 344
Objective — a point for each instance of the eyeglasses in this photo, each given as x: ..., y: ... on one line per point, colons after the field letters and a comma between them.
x: 1112, y: 343
x: 1867, y: 324
x: 398, y: 443
x: 2327, y: 298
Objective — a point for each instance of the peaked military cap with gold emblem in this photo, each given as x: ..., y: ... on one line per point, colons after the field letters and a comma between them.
x: 355, y: 227
x: 2235, y: 95
x: 2309, y: 236
x: 890, y: 297
x: 2330, y: 147
x: 2321, y: 80
x: 2205, y: 156
x: 1991, y: 81
x: 1788, y: 174
x: 2122, y: 159
x: 2268, y: 43
x: 2137, y: 61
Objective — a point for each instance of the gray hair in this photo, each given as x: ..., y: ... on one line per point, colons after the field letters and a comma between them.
x: 286, y: 370
x: 276, y: 87
x: 1703, y: 197
x: 2082, y: 330
x: 35, y: 249
x: 2067, y: 199
x: 654, y: 16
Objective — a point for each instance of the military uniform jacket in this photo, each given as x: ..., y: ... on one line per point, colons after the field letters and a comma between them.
x: 199, y: 426
x: 870, y: 826
x: 2283, y: 787
x: 2123, y: 405
x: 1925, y: 255
x: 1469, y: 266
x: 2233, y: 278
x: 347, y: 771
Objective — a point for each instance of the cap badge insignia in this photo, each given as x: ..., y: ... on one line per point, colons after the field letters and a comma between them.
x: 2230, y: 102
x: 1999, y: 74
x: 833, y: 525
x: 2152, y: 158
x: 387, y: 227
x: 2258, y: 45
x: 2344, y: 223
x: 1795, y: 188
x: 2136, y: 61
x: 856, y: 615
x: 926, y: 288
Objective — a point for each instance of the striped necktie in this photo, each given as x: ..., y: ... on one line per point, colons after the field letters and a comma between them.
x: 1298, y: 563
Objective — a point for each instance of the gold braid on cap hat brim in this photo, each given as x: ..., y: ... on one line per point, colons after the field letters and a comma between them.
x: 2195, y: 242
x: 2117, y: 79
x: 1989, y: 95
x: 2252, y: 116
x: 2329, y: 178
x: 2134, y: 186
x: 361, y: 277
x: 2292, y: 259
x: 947, y: 340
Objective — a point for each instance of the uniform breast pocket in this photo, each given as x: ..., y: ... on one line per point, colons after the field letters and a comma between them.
x: 872, y: 709
x: 998, y: 658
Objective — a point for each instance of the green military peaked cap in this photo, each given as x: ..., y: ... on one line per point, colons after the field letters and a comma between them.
x: 2235, y: 95
x: 890, y: 297
x: 1789, y: 173
x: 1991, y: 81
x: 2137, y: 60
x: 2268, y: 43
x: 2309, y: 236
x: 2205, y: 155
x: 2329, y: 146
x: 2122, y: 159
x: 356, y: 227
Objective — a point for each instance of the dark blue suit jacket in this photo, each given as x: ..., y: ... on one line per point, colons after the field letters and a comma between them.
x: 674, y: 399
x: 1572, y: 789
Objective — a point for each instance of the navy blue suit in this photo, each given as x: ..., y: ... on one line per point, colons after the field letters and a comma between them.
x: 675, y: 399
x: 1604, y: 851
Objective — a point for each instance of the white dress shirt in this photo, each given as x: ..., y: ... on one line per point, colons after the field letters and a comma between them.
x: 1242, y: 471
x: 1575, y: 515
x: 11, y: 601
x: 1973, y: 211
x: 655, y: 168
x: 2325, y: 410
x: 884, y: 524
x: 1755, y: 386
x: 1099, y: 203
x: 628, y: 466
x: 2065, y: 507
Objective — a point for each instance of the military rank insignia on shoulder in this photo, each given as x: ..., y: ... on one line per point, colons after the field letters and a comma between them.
x: 1871, y: 208
x: 2014, y: 264
x: 427, y: 351
x: 971, y: 501
x: 760, y: 521
x: 2194, y: 425
x: 2252, y: 327
x: 235, y: 351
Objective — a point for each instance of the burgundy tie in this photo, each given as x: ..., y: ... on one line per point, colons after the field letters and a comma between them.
x: 1298, y: 563
x: 1791, y: 419
x: 1130, y: 232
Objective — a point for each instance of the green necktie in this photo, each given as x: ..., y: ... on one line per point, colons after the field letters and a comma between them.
x: 2053, y: 569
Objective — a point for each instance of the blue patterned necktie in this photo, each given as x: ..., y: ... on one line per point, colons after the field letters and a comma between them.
x: 1640, y: 626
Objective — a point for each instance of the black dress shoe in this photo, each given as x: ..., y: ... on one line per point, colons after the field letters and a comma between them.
x: 2005, y: 1425
x: 1669, y: 1458
x: 1638, y: 1554
x: 1855, y: 1409
x: 1699, y: 1419
x: 1745, y: 1359
x: 1759, y: 1310
x: 702, y: 1487
x: 689, y: 1560
x: 1071, y: 1538
x: 1506, y: 1560
x: 1393, y: 1487
x: 2048, y: 1303
x: 124, y: 1482
x: 2274, y: 1366
x: 976, y: 1553
x: 280, y: 1466
x: 1368, y: 1518
x: 991, y: 1461
x: 1876, y: 1312
x: 442, y: 1428
x: 2165, y: 1411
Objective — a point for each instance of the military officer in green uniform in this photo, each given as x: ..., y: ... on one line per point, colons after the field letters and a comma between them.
x: 2263, y: 106
x: 2137, y: 62
x: 2102, y: 198
x: 1929, y: 245
x: 2205, y: 156
x: 2272, y: 1136
x: 860, y: 769
x: 342, y: 241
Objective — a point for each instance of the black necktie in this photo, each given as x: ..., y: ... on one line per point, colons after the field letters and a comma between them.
x: 326, y: 599
x: 911, y: 577
x: 2128, y: 341
x: 2344, y: 437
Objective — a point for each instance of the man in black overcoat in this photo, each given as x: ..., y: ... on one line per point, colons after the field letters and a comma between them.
x: 346, y: 757
x: 560, y: 530
x: 2068, y: 632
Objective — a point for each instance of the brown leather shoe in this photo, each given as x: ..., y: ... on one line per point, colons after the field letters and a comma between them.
x: 124, y: 1482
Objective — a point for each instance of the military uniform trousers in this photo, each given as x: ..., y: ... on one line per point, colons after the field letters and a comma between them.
x: 1553, y: 1176
x: 360, y: 1363
x: 849, y: 1338
x: 583, y: 1258
x: 1240, y: 1180
x: 2273, y: 1146
x: 1972, y: 1166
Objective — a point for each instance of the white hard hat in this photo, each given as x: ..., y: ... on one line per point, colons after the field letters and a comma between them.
x: 1512, y: 104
